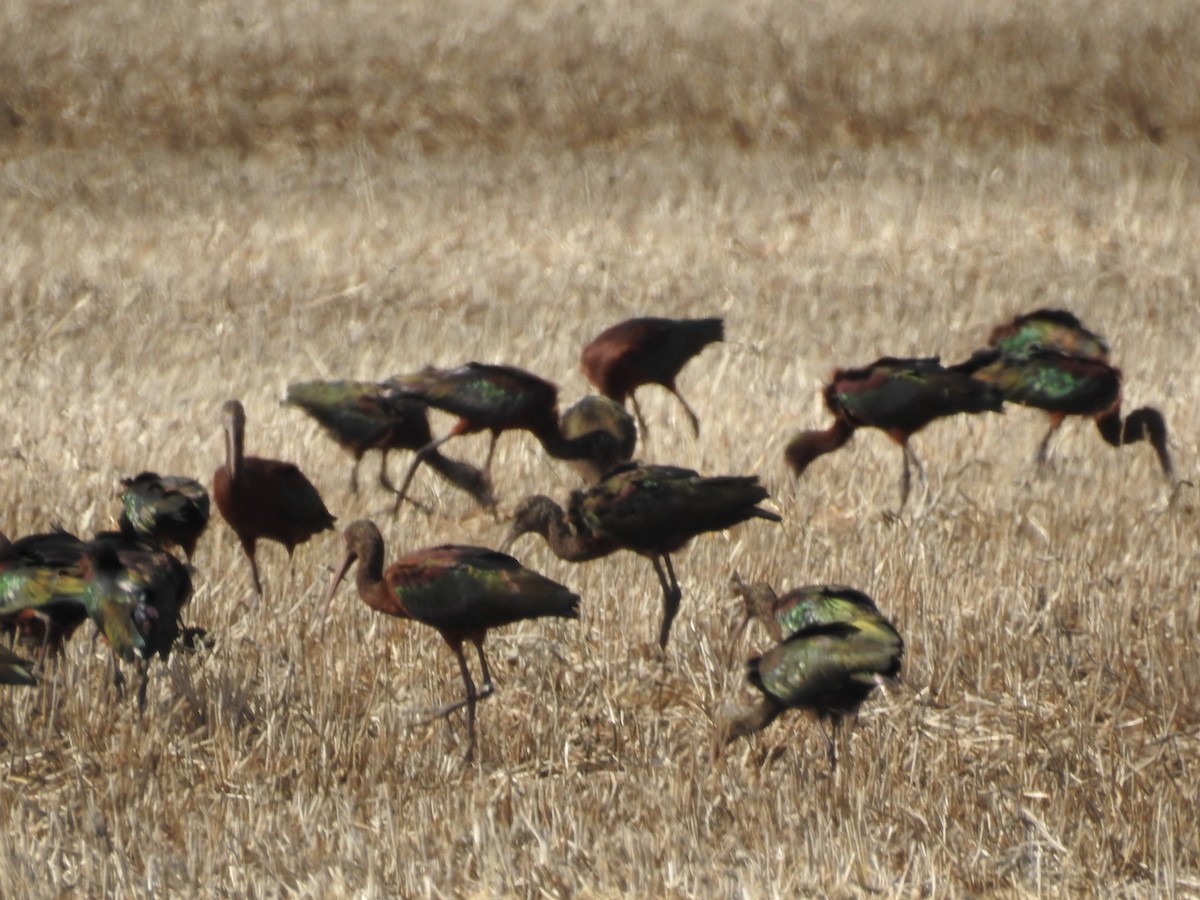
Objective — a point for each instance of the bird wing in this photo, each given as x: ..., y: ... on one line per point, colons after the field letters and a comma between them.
x: 465, y: 588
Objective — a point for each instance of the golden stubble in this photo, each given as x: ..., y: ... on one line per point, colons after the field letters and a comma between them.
x: 211, y: 202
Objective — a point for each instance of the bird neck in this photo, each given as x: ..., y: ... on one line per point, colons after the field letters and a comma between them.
x: 566, y: 538
x: 234, y: 449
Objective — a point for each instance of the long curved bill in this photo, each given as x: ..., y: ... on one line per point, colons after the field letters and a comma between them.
x: 333, y: 586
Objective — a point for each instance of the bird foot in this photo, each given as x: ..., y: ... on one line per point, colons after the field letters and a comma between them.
x: 432, y: 714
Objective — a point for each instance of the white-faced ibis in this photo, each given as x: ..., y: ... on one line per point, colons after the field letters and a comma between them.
x: 598, y: 414
x: 496, y: 398
x: 897, y: 396
x: 460, y: 591
x: 169, y: 510
x: 14, y: 669
x: 652, y: 510
x: 361, y: 416
x: 1048, y: 360
x: 264, y: 498
x: 841, y: 648
x: 648, y: 350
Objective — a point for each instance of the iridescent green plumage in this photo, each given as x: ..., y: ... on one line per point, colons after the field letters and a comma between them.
x: 363, y: 415
x: 650, y: 510
x: 1048, y: 360
x: 169, y: 510
x: 495, y: 398
x: 41, y: 589
x: 1053, y: 329
x: 840, y: 649
x: 803, y: 607
x: 461, y: 591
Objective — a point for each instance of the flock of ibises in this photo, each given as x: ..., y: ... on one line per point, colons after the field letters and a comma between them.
x: 833, y: 646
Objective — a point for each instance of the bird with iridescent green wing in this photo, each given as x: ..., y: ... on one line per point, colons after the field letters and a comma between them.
x: 497, y: 398
x: 460, y: 591
x: 41, y: 590
x: 842, y: 649
x: 170, y: 510
x: 361, y: 416
x: 897, y: 396
x: 1048, y: 360
x: 651, y: 510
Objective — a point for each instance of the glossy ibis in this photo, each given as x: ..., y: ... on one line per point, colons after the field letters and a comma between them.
x: 1054, y: 329
x: 496, y: 398
x: 460, y: 591
x: 1064, y: 370
x: 596, y: 414
x: 652, y: 510
x: 264, y: 498
x: 41, y: 589
x: 134, y: 594
x: 169, y: 510
x: 14, y: 669
x: 841, y: 648
x: 802, y: 607
x: 360, y: 416
x: 647, y: 350
x: 897, y: 396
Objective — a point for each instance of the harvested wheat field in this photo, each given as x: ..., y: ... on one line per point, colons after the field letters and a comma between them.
x: 204, y: 201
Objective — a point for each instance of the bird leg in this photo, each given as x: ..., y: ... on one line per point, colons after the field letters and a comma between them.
x: 1056, y: 420
x: 830, y: 745
x: 118, y: 678
x: 637, y: 411
x: 248, y: 547
x: 354, y: 475
x: 418, y: 458
x: 691, y: 412
x: 472, y: 697
x: 487, y: 463
x: 143, y: 667
x: 672, y: 594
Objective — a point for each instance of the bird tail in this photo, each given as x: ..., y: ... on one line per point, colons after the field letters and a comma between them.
x: 463, y: 476
x: 699, y: 333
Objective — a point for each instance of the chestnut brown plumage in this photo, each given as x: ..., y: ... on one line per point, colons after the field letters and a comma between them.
x: 460, y: 591
x: 647, y: 350
x: 264, y: 498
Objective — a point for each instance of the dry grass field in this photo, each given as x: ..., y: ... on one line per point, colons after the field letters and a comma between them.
x: 208, y: 200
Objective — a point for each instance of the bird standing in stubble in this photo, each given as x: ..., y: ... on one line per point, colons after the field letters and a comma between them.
x: 1048, y: 360
x: 264, y: 498
x: 647, y: 350
x: 651, y: 510
x: 360, y: 416
x: 834, y: 647
x: 460, y: 591
x: 897, y: 396
x: 498, y: 398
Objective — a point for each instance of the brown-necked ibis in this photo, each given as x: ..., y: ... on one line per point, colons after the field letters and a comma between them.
x: 651, y: 510
x: 897, y: 396
x: 264, y: 498
x: 460, y: 591
x: 648, y: 350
